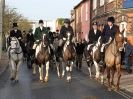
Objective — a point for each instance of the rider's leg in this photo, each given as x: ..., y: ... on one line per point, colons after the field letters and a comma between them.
x: 102, y: 54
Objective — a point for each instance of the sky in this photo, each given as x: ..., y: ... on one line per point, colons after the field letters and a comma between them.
x: 43, y: 9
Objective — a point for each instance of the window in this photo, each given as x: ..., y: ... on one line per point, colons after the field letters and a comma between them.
x: 102, y: 2
x: 123, y: 25
x: 110, y: 0
x: 94, y: 4
x: 87, y: 11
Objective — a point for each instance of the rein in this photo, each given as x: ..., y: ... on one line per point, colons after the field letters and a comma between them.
x: 115, y: 54
x: 16, y: 49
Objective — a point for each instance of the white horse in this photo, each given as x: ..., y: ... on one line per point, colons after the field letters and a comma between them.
x: 15, y: 57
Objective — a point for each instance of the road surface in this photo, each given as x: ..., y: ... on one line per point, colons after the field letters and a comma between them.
x: 30, y: 88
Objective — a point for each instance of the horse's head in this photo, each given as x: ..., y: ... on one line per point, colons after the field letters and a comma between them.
x: 14, y: 42
x: 99, y: 42
x: 68, y: 35
x: 44, y: 40
x: 119, y: 39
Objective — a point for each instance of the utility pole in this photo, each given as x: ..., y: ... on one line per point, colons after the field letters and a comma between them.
x: 2, y: 5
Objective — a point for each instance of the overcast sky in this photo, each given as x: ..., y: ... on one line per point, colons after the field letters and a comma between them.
x: 43, y: 9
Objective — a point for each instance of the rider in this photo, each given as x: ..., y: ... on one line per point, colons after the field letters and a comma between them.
x: 15, y: 32
x: 39, y: 32
x: 30, y: 37
x: 63, y: 34
x: 108, y: 35
x: 94, y: 33
x: 66, y: 28
x: 50, y: 37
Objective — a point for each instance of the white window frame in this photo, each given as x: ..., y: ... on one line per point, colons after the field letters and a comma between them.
x: 102, y: 2
x: 87, y: 11
x: 110, y: 1
x: 94, y: 4
x: 123, y: 25
x: 81, y: 13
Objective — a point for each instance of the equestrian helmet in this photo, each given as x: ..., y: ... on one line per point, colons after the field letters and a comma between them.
x: 111, y: 19
x: 67, y: 21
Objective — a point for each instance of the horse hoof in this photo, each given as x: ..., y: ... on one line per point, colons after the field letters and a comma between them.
x: 41, y: 81
x: 46, y: 80
x: 59, y: 77
x: 69, y: 81
x: 63, y: 76
x: 109, y: 89
x: 16, y: 81
x: 12, y: 79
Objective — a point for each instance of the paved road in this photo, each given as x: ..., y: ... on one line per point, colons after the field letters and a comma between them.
x: 29, y: 87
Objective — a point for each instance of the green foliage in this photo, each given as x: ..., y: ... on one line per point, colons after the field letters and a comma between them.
x: 11, y: 16
x: 60, y: 21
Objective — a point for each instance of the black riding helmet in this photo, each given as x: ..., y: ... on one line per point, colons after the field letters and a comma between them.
x: 40, y: 21
x: 67, y: 21
x: 111, y: 19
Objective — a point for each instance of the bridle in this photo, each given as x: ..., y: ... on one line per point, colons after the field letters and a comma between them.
x: 16, y: 48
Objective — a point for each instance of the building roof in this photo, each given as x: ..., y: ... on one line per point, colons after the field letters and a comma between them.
x: 128, y: 4
x: 82, y: 1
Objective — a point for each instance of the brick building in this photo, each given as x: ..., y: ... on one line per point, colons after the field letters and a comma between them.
x: 81, y: 22
x: 122, y: 10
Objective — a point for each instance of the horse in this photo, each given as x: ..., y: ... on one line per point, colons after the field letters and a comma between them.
x: 92, y: 55
x: 30, y: 54
x: 69, y: 54
x: 42, y: 57
x: 15, y: 57
x: 113, y: 59
x: 59, y: 58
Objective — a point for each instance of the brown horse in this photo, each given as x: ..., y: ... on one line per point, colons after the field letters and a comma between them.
x: 42, y: 57
x: 69, y: 54
x: 113, y: 59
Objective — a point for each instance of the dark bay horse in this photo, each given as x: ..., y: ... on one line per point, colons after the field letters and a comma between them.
x: 69, y: 54
x: 42, y: 57
x: 113, y: 59
x: 30, y: 54
x: 59, y: 58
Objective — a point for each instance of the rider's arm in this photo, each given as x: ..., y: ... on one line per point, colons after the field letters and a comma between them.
x: 20, y: 35
x: 90, y: 37
x: 36, y: 35
x: 62, y: 35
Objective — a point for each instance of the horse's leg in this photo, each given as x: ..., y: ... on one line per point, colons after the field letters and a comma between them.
x: 17, y: 69
x: 12, y: 68
x: 13, y: 65
x: 118, y: 68
x: 71, y: 68
x: 34, y: 68
x: 63, y: 69
x: 58, y: 69
x: 47, y: 71
x: 102, y: 74
x: 112, y: 78
x: 97, y: 69
x: 108, y: 77
x: 68, y: 70
x: 41, y: 72
x: 89, y: 68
